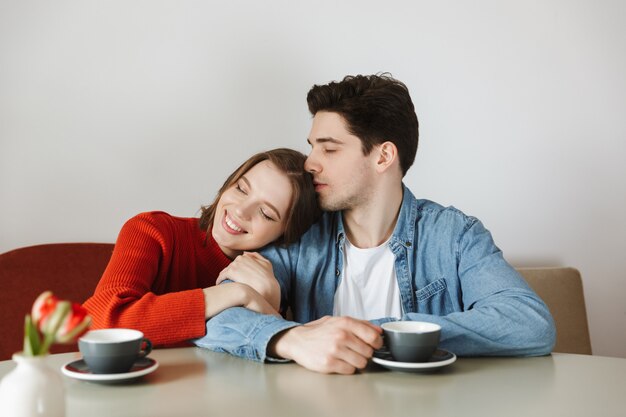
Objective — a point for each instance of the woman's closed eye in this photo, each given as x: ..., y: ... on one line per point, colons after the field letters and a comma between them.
x: 266, y: 216
x: 241, y: 189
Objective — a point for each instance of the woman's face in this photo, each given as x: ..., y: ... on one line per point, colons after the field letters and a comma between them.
x: 252, y: 212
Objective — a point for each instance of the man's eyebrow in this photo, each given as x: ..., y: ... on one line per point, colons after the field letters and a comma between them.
x: 325, y: 140
x: 267, y: 203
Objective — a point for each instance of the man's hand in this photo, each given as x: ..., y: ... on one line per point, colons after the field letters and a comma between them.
x: 329, y: 345
x: 255, y: 271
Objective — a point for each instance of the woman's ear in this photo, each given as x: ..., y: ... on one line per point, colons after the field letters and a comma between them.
x: 387, y: 156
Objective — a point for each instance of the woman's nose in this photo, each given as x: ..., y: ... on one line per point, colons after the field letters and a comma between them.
x: 243, y: 210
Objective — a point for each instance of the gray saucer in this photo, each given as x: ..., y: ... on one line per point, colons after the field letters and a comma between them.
x: 440, y: 359
x: 78, y: 369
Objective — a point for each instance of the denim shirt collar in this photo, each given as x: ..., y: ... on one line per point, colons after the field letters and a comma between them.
x: 403, y: 232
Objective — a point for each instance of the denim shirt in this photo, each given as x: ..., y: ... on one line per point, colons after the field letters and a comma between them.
x: 449, y: 271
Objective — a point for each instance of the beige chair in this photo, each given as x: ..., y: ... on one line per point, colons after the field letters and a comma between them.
x: 561, y: 289
x: 69, y: 270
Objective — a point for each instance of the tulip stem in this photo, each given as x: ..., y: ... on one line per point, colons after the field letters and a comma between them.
x: 47, y: 341
x: 32, y: 341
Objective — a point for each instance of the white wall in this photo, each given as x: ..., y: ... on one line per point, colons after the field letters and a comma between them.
x: 109, y: 108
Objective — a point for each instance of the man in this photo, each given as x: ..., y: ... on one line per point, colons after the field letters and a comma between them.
x: 379, y: 254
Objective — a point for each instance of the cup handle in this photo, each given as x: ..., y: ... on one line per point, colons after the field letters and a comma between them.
x: 146, y: 349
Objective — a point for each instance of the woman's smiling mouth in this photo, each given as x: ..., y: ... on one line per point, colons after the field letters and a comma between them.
x: 230, y: 226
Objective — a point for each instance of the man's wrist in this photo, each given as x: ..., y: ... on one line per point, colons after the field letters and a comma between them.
x: 278, y: 346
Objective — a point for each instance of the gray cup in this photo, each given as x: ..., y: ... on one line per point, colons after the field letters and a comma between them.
x: 411, y: 341
x: 113, y: 351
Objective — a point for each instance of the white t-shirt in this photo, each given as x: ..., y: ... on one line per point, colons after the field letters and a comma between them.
x: 368, y: 288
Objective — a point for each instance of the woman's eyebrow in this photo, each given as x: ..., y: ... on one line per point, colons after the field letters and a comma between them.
x: 267, y: 203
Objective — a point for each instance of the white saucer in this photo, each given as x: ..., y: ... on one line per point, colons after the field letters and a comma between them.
x: 78, y: 369
x: 439, y: 359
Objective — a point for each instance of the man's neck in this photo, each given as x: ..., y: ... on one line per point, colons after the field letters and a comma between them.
x: 371, y: 224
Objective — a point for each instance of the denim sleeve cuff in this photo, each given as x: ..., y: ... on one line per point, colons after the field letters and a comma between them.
x: 268, y: 328
x: 242, y: 332
x: 378, y: 322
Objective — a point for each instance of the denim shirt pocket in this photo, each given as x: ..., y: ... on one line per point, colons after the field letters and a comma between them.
x: 434, y: 298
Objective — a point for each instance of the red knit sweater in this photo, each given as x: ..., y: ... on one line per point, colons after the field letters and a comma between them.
x: 155, y: 277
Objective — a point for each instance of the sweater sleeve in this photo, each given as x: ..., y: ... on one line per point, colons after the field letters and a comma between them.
x: 124, y: 297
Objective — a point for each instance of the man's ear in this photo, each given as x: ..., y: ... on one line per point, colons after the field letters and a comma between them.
x: 387, y: 156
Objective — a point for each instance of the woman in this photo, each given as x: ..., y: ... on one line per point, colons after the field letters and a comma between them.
x: 162, y: 274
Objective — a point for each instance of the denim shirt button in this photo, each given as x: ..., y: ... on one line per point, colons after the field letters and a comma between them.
x: 408, y: 244
x: 337, y: 272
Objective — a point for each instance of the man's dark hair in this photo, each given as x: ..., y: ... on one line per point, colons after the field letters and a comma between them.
x: 376, y: 108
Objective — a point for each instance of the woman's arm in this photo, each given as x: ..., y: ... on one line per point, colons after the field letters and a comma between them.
x: 234, y: 294
x: 147, y: 287
x: 143, y: 259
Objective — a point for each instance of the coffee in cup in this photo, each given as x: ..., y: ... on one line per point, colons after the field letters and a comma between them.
x: 411, y: 341
x: 113, y: 351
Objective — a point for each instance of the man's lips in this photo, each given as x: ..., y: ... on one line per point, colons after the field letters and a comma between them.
x: 319, y: 186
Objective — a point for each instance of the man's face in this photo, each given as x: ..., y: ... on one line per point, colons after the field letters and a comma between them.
x: 342, y: 175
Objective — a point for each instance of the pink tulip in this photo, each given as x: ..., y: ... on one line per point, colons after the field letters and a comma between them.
x: 75, y: 324
x: 43, y: 307
x: 53, y: 321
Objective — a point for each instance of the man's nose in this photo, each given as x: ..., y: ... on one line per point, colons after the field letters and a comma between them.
x: 311, y: 165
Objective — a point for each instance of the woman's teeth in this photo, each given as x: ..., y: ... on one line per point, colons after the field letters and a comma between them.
x: 232, y: 225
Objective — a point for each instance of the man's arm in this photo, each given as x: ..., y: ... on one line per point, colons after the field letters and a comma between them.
x: 245, y: 333
x: 329, y: 345
x: 513, y: 323
x: 501, y: 315
x: 242, y: 332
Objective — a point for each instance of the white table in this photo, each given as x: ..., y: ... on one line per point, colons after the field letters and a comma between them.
x: 197, y: 382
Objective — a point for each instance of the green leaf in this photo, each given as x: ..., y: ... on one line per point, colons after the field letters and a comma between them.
x: 32, y: 343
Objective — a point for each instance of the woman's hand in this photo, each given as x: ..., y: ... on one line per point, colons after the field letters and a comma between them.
x: 255, y: 271
x: 234, y: 294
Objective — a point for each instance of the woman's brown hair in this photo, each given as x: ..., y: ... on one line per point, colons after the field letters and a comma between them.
x: 303, y: 209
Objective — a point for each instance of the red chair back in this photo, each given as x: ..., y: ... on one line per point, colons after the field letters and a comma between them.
x: 70, y: 270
